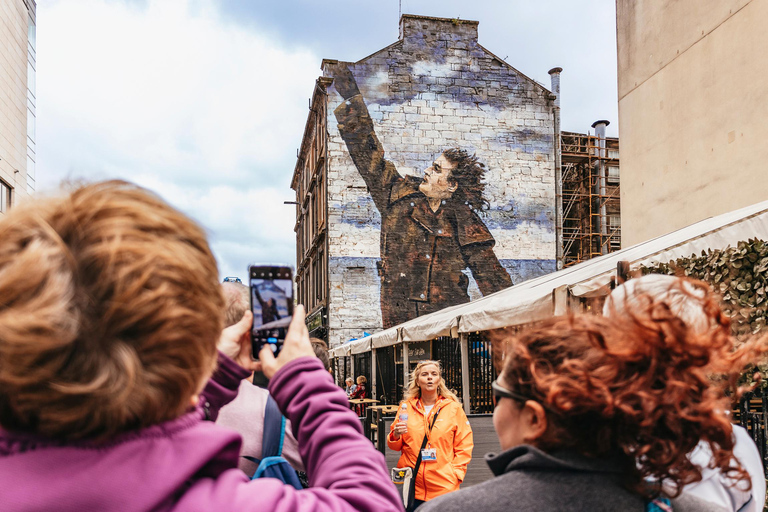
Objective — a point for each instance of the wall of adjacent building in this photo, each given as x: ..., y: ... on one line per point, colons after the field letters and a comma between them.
x: 434, y: 89
x: 16, y: 106
x: 692, y: 107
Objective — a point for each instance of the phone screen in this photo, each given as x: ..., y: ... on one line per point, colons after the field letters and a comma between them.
x: 271, y: 289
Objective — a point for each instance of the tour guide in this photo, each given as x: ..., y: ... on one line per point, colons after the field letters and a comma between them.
x: 430, y: 229
x: 432, y: 410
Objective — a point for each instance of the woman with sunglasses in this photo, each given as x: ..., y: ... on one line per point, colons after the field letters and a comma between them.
x: 432, y: 423
x: 592, y: 413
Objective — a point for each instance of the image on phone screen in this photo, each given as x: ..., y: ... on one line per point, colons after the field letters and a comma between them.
x: 270, y: 300
x: 271, y: 291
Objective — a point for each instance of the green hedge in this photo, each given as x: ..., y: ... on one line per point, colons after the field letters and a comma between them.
x: 739, y: 274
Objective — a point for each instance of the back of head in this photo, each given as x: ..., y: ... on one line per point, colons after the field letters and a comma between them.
x: 110, y: 313
x: 321, y: 351
x: 236, y: 300
x: 634, y: 389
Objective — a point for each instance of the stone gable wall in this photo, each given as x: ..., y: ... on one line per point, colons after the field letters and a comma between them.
x: 434, y: 89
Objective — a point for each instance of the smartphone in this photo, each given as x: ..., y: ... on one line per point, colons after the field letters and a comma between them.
x: 271, y: 289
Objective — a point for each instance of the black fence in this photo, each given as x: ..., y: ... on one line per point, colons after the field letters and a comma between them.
x: 448, y: 352
x: 481, y: 374
x: 341, y: 370
x: 752, y: 414
x: 389, y: 377
x: 363, y: 367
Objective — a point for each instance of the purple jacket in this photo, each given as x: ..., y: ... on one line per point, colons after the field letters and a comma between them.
x: 189, y: 464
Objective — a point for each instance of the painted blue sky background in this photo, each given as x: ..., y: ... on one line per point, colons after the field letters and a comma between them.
x: 205, y: 101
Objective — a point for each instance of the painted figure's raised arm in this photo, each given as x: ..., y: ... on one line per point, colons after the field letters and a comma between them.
x: 356, y: 128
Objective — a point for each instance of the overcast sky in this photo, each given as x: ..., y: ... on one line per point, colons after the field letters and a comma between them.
x: 205, y: 101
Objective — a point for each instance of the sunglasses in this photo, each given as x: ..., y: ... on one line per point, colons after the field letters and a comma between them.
x: 500, y: 391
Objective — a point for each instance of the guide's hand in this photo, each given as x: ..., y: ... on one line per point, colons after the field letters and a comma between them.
x: 235, y: 342
x: 344, y: 81
x: 401, y: 428
x: 296, y: 345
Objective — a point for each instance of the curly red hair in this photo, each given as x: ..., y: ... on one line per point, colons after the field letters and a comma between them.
x: 636, y: 387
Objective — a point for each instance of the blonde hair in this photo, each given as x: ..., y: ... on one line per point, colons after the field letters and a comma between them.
x: 361, y: 380
x: 414, y: 391
x: 110, y: 313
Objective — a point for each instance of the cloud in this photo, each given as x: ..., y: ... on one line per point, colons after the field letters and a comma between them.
x: 534, y: 37
x: 165, y: 93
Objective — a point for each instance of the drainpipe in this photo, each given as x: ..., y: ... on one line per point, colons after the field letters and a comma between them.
x: 554, y: 73
x: 599, y: 127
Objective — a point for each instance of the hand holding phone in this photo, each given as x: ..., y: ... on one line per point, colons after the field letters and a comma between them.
x: 296, y: 345
x: 271, y: 290
x: 235, y: 342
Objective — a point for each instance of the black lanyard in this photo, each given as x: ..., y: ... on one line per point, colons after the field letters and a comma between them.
x: 424, y: 443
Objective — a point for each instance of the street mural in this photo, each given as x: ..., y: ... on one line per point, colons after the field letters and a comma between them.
x: 440, y: 178
x: 430, y: 231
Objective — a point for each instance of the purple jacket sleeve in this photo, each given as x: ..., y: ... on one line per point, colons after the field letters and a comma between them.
x: 345, y: 471
x: 222, y: 386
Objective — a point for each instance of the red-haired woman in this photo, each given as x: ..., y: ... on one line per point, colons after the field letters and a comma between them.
x: 693, y: 303
x: 592, y: 413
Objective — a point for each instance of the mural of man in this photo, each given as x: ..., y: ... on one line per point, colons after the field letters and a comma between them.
x: 269, y: 311
x: 430, y: 230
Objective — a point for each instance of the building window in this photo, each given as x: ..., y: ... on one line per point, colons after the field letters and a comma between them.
x: 5, y: 197
x: 321, y: 274
x: 614, y: 221
x: 613, y: 174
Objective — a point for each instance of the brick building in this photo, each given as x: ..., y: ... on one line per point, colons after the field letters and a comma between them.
x: 17, y: 102
x: 376, y: 244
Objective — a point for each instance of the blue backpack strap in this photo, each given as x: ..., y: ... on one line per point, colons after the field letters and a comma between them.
x: 658, y: 505
x: 274, y: 430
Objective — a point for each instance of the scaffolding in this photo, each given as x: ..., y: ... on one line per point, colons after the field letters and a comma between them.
x: 590, y: 196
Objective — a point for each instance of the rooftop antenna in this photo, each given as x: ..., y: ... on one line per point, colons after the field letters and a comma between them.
x: 399, y: 9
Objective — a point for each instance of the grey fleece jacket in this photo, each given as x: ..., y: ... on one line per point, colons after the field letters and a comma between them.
x: 529, y: 479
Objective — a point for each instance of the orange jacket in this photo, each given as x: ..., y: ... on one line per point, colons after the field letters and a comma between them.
x: 451, y: 437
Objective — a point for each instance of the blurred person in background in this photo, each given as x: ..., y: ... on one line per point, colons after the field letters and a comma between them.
x: 430, y: 409
x: 245, y: 414
x: 351, y: 386
x: 110, y: 320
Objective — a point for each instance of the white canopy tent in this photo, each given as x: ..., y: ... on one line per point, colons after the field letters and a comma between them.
x: 545, y: 296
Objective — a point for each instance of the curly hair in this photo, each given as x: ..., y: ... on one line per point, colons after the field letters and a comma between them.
x: 468, y: 175
x: 414, y: 391
x: 635, y: 387
x: 110, y: 309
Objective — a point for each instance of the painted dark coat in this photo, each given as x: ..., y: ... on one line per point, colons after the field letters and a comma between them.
x: 423, y: 252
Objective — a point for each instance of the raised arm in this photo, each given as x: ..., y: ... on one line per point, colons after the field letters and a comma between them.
x: 356, y: 128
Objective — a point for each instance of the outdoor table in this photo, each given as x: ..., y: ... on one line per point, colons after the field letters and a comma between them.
x: 385, y: 409
x: 360, y: 404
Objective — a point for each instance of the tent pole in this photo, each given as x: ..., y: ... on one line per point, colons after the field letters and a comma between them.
x: 406, y: 367
x: 464, y: 344
x: 373, y: 373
